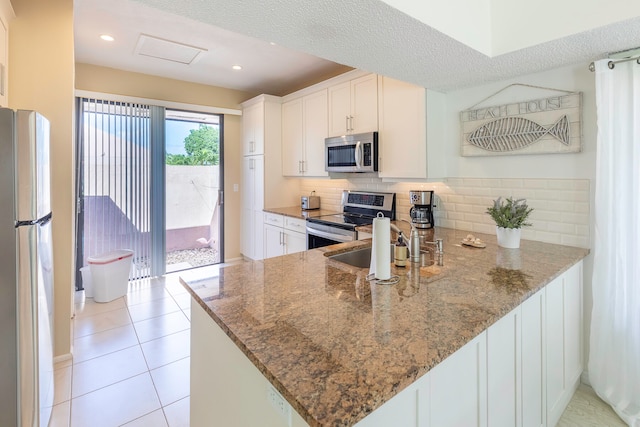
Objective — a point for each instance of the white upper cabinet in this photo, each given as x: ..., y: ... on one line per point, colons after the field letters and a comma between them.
x: 353, y: 106
x: 403, y: 129
x: 253, y: 129
x: 292, y: 138
x: 315, y: 112
x: 304, y: 128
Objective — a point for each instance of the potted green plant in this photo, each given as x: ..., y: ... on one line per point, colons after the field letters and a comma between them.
x: 510, y: 216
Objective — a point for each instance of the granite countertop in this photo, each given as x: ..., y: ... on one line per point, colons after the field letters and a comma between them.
x: 296, y: 212
x: 337, y: 346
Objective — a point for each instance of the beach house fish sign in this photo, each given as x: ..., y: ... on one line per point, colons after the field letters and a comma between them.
x: 545, y: 125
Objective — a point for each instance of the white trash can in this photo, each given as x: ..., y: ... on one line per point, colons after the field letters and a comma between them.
x: 86, y: 282
x: 110, y: 274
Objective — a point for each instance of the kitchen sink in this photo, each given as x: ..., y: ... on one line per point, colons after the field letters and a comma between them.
x: 360, y: 258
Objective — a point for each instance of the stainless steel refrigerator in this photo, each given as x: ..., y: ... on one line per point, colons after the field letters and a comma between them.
x: 26, y: 271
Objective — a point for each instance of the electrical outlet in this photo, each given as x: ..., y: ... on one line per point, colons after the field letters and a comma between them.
x: 235, y: 188
x: 279, y: 404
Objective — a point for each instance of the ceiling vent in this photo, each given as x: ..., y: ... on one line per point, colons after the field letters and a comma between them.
x: 167, y: 50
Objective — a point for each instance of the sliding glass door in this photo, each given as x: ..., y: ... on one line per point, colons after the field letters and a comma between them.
x: 149, y: 180
x: 193, y: 176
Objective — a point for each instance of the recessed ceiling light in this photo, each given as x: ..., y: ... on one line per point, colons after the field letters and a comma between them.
x: 107, y: 38
x: 272, y: 43
x: 237, y: 67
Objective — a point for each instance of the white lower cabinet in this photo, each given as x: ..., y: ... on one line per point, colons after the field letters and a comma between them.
x: 283, y: 235
x: 504, y: 371
x: 522, y: 371
x: 563, y: 311
x: 457, y: 387
x: 533, y: 372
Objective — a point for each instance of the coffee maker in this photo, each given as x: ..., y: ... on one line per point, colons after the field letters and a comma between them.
x: 422, y: 210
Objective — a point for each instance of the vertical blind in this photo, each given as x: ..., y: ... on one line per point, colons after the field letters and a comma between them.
x: 114, y: 168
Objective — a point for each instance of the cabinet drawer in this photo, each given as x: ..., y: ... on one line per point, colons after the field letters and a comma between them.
x: 295, y: 224
x: 273, y: 219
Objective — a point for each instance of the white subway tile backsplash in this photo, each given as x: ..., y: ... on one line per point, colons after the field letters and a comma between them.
x: 560, y: 184
x: 481, y: 191
x: 579, y: 241
x: 484, y: 228
x: 491, y: 182
x: 545, y: 236
x: 454, y: 181
x: 474, y: 200
x: 455, y: 198
x: 575, y: 218
x: 476, y: 218
x: 450, y: 224
x: 549, y: 195
x: 561, y: 206
x: 581, y: 184
x: 542, y: 216
x: 581, y: 207
x: 454, y: 215
x: 536, y: 183
x: 582, y: 230
x: 472, y: 182
x: 464, y: 225
x: 562, y: 228
x: 463, y: 207
x: 511, y: 183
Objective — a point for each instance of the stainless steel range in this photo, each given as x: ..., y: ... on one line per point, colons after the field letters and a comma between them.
x: 358, y: 208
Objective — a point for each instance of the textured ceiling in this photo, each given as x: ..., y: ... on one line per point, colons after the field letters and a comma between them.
x: 267, y: 68
x: 370, y: 35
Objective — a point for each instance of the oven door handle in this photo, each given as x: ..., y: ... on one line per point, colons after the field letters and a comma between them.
x: 336, y: 237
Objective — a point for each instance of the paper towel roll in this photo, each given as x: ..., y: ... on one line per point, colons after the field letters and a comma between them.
x: 380, y: 252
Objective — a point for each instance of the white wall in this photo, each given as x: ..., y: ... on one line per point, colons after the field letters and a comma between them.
x: 472, y: 27
x: 581, y: 165
x: 519, y: 24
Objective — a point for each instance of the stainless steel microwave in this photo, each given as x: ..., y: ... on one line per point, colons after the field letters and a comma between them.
x: 352, y: 153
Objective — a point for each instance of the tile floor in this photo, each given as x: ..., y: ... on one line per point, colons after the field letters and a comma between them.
x: 131, y: 359
x: 131, y: 363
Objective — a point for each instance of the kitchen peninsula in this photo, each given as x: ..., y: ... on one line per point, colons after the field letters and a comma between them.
x: 438, y: 347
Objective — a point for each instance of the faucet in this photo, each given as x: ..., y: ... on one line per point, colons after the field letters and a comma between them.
x: 439, y: 246
x: 414, y: 243
x: 439, y: 251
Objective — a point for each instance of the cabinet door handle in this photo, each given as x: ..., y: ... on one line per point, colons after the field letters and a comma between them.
x: 303, y: 166
x: 347, y: 123
x: 351, y: 123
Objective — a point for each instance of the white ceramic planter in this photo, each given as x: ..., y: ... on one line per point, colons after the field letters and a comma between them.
x: 508, y: 237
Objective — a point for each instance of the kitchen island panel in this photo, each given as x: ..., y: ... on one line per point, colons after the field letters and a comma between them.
x: 226, y: 388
